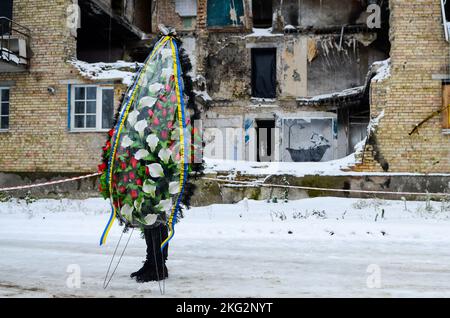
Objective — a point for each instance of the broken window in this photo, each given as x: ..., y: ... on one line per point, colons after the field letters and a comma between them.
x: 445, y: 4
x: 446, y: 106
x: 4, y: 108
x: 187, y: 9
x: 262, y: 13
x: 225, y: 13
x: 92, y: 108
x: 265, y: 140
x: 264, y: 72
x: 143, y: 15
x: 6, y: 9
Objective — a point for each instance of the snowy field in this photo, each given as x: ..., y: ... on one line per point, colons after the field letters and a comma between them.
x: 323, y: 247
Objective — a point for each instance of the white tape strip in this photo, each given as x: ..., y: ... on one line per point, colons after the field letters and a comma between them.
x: 49, y: 183
x: 257, y: 184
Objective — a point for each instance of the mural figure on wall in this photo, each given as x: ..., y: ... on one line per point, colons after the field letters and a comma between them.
x: 308, y: 139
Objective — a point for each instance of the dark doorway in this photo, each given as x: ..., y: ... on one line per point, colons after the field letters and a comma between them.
x: 143, y: 15
x: 265, y: 140
x: 264, y: 67
x: 6, y: 10
x: 262, y: 13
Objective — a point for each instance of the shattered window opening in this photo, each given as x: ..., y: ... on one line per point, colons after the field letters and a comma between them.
x: 222, y: 13
x: 186, y: 8
x: 6, y: 10
x: 4, y: 108
x: 264, y: 72
x: 262, y: 13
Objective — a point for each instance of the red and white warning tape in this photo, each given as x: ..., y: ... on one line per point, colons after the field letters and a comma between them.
x: 49, y: 183
x: 247, y: 183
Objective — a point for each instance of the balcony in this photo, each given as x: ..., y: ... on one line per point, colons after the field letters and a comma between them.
x: 14, y: 44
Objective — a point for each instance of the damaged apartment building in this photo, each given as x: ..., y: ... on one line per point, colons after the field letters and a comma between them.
x: 278, y: 80
x: 297, y: 72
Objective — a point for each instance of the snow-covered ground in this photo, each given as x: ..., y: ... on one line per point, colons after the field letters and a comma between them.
x: 323, y: 247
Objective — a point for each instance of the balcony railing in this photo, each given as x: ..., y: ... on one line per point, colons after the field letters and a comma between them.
x: 14, y: 42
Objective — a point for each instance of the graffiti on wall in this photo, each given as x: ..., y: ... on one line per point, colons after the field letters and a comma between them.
x: 307, y: 139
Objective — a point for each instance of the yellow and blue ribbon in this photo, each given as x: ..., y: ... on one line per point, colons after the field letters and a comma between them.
x: 184, y: 163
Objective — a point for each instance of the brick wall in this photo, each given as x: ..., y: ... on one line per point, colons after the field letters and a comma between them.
x: 409, y: 95
x: 38, y: 138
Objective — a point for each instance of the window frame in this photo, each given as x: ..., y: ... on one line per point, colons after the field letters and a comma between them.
x: 98, y: 108
x: 445, y: 106
x: 445, y: 20
x: 9, y: 108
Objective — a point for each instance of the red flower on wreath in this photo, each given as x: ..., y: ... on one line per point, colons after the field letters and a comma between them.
x: 134, y: 162
x: 132, y: 175
x: 134, y: 194
x: 139, y: 182
x: 122, y: 189
x: 107, y: 146
x: 102, y: 167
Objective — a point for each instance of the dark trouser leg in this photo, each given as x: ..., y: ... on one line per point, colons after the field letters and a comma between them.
x: 154, y: 238
x: 156, y: 259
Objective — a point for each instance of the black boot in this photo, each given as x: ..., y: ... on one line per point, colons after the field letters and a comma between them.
x: 147, y: 266
x: 156, y: 269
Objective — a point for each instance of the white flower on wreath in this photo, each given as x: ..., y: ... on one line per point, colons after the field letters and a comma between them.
x: 155, y: 88
x: 142, y: 153
x: 152, y: 141
x: 138, y: 205
x: 150, y: 219
x: 132, y: 117
x: 126, y: 142
x: 165, y: 154
x: 174, y: 187
x: 140, y: 127
x: 165, y: 205
x: 166, y: 53
x: 167, y: 73
x: 127, y: 212
x: 155, y: 170
x: 149, y: 187
x: 147, y: 101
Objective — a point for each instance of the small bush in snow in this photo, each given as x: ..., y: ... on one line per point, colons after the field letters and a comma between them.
x: 5, y: 197
x: 278, y: 215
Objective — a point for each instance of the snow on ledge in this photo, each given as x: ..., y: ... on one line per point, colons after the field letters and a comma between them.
x: 382, y: 70
x: 299, y: 169
x: 120, y: 70
x: 259, y: 32
x: 9, y: 56
x: 345, y: 93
